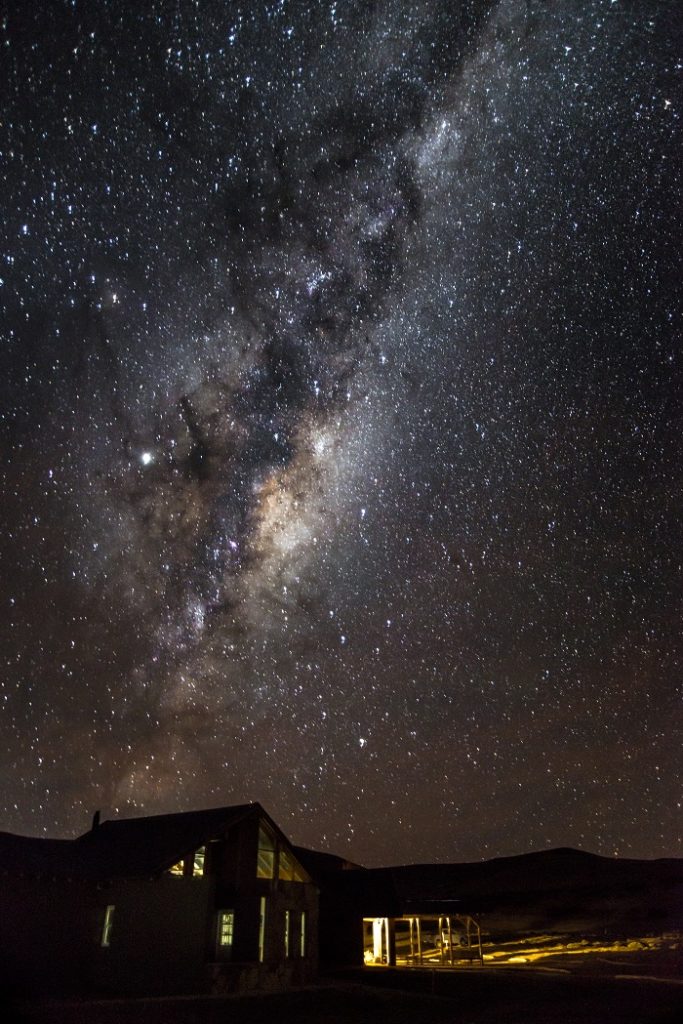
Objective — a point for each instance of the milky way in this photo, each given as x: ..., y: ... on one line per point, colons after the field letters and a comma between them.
x: 340, y: 425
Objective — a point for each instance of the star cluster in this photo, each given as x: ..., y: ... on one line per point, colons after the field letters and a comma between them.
x: 340, y: 431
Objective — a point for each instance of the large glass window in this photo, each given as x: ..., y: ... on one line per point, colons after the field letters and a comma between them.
x: 265, y: 867
x: 288, y: 868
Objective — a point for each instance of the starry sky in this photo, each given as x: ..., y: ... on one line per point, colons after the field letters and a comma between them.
x: 340, y: 420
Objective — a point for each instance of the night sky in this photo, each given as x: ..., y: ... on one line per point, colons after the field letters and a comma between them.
x: 340, y: 420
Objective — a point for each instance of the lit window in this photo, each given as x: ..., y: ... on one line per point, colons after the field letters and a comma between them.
x: 198, y: 863
x: 285, y: 866
x: 262, y: 930
x: 107, y: 925
x: 288, y: 869
x: 265, y: 867
x: 192, y: 865
x: 226, y: 928
x: 287, y: 928
x: 302, y: 934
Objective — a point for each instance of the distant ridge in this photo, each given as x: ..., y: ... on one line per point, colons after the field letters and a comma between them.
x: 557, y: 890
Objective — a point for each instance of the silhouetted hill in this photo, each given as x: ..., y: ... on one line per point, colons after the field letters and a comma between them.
x: 541, y: 871
x: 558, y: 891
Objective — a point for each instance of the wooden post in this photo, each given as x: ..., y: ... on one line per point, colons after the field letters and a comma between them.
x: 391, y: 941
x: 419, y: 940
x: 450, y: 940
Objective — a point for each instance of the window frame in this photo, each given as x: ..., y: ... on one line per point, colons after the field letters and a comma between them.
x: 303, y: 934
x: 107, y: 926
x: 191, y: 865
x: 263, y: 910
x: 266, y: 853
x: 225, y: 917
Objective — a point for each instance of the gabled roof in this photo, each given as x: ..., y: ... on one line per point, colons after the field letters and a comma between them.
x: 31, y: 856
x: 134, y: 847
x: 126, y: 847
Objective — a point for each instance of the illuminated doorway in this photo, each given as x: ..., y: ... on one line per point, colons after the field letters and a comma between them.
x: 376, y: 940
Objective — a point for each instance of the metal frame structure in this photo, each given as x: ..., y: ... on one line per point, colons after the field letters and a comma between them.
x: 452, y: 940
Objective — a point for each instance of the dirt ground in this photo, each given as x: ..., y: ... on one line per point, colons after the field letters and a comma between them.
x: 638, y: 990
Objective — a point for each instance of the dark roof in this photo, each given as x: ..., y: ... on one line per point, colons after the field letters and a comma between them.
x: 124, y: 847
x: 32, y: 856
x: 319, y: 865
x: 146, y: 846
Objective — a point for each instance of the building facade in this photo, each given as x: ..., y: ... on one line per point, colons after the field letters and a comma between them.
x: 206, y: 901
